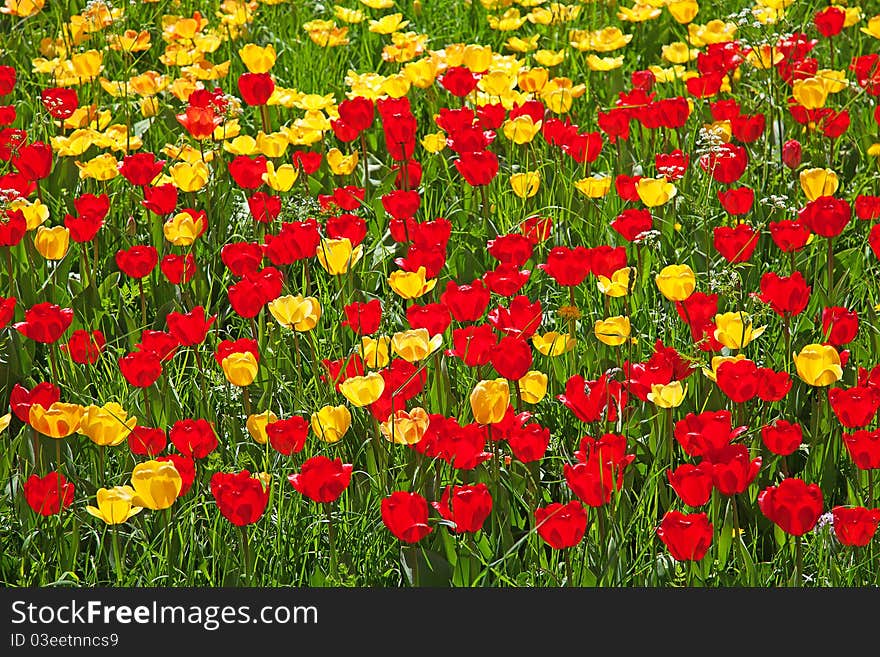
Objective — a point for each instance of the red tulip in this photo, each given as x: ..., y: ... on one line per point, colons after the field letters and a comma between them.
x: 827, y: 216
x: 726, y: 163
x: 772, y: 385
x: 687, y: 537
x: 363, y: 318
x: 477, y: 168
x: 704, y: 433
x: 247, y: 171
x: 733, y: 470
x: 867, y: 207
x: 459, y: 81
x: 141, y: 368
x: 322, y: 479
x: 13, y: 226
x: 568, y: 266
x: 671, y: 165
x: 854, y: 407
x: 793, y: 505
x: 593, y: 400
x: 529, y: 443
x: 241, y: 498
x: 467, y: 507
x: 738, y: 379
x: 839, y: 325
x: 346, y: 225
x: 401, y: 204
x: 466, y: 302
x: 147, y: 441
x: 264, y: 207
x: 434, y: 317
x: 512, y: 357
x: 190, y: 328
x: 34, y: 161
x: 288, y: 436
x: 506, y: 280
x: 178, y: 269
x: 21, y: 399
x: 160, y: 343
x: 242, y: 345
x: 782, y: 437
x: 138, y: 261
x: 789, y: 235
x: 855, y: 525
x: 735, y: 244
x: 199, y: 122
x: 632, y: 223
x: 85, y: 347
x: 295, y: 241
x: 242, y: 257
x: 195, y: 438
x: 7, y: 310
x: 593, y: 481
x: 561, y: 525
x: 474, y: 345
x: 406, y: 516
x: 521, y: 318
x: 791, y: 154
x: 160, y: 200
x: 140, y: 168
x: 829, y: 21
x: 255, y: 88
x: 48, y: 495
x: 60, y: 102
x: 864, y: 448
x: 692, y: 483
x: 45, y: 322
x: 787, y: 295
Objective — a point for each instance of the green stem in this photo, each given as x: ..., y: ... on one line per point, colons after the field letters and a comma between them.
x: 331, y: 533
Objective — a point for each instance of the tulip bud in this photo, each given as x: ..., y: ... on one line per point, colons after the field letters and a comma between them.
x: 791, y: 153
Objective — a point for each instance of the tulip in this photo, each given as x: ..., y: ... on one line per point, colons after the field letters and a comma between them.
x: 411, y: 285
x: 406, y: 516
x: 793, y: 505
x: 106, y: 426
x: 818, y: 365
x: 734, y: 330
x: 655, y: 191
x: 322, y: 479
x: 687, y: 537
x: 818, y: 182
x: 613, y: 331
x: 48, y: 495
x: 156, y: 484
x: 525, y: 185
x: 241, y: 497
x: 183, y: 228
x: 257, y: 59
x: 811, y: 93
x: 296, y: 312
x: 240, y: 368
x: 561, y: 525
x: 617, y: 285
x: 594, y: 186
x: 375, y: 351
x: 52, y: 243
x: 363, y: 390
x: 406, y: 427
x: 676, y: 282
x: 668, y: 395
x: 415, y: 345
x: 490, y: 400
x: 256, y: 425
x: 189, y: 177
x: 533, y: 387
x: 331, y: 422
x: 337, y: 256
x: 466, y: 507
x: 115, y: 505
x: 59, y: 420
x: 553, y: 343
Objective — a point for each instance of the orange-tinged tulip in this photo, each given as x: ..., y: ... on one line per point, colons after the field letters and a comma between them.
x: 331, y: 422
x: 411, y: 284
x: 405, y: 427
x: 240, y: 368
x: 156, y: 484
x: 818, y: 365
x: 58, y: 421
x: 489, y: 400
x: 363, y: 390
x: 115, y: 505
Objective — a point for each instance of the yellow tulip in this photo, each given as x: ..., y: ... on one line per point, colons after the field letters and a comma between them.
x: 477, y: 58
x: 35, y: 214
x: 550, y: 57
x: 818, y: 182
x: 612, y: 331
x: 405, y: 427
x: 336, y: 256
x: 683, y: 11
x: 374, y: 351
x: 490, y: 400
x: 115, y: 505
x: 272, y: 145
x: 655, y: 191
x: 58, y: 421
x: 734, y: 330
x: 411, y: 285
x: 256, y: 425
x: 434, y: 142
x: 533, y: 387
x: 182, y: 229
x: 676, y: 282
x: 4, y: 421
x: 388, y: 24
x: 296, y: 312
x: 873, y: 28
x: 617, y: 285
x: 526, y: 184
x: 240, y: 368
x: 102, y: 167
x: 553, y: 343
x: 87, y: 64
x: 52, y: 243
x: 521, y: 130
x: 107, y: 425
x: 156, y: 484
x: 603, y: 63
x: 331, y: 422
x: 810, y: 93
x: 241, y: 145
x: 282, y: 178
x: 678, y: 52
x: 594, y: 186
x: 818, y: 365
x: 363, y: 390
x: 257, y: 59
x: 415, y: 344
x: 668, y: 395
x: 189, y: 177
x: 533, y: 80
x: 341, y: 165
